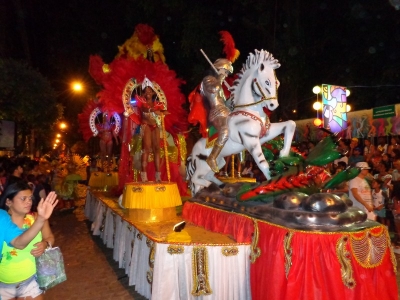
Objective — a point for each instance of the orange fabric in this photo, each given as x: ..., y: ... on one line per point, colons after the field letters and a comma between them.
x: 198, y: 113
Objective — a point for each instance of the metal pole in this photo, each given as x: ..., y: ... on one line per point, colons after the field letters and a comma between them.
x: 212, y: 65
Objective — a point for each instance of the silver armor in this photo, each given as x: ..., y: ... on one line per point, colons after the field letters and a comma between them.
x: 211, y: 89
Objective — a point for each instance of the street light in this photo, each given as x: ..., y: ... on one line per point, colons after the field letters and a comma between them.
x: 316, y: 90
x: 63, y: 125
x: 77, y: 86
x: 317, y: 105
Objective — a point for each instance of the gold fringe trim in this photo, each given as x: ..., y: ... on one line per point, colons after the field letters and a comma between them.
x: 255, y: 251
x: 201, y: 285
x: 346, y: 269
x: 152, y: 258
x: 229, y: 251
x: 182, y: 149
x: 392, y: 255
x: 288, y: 251
x: 369, y: 249
x: 137, y: 189
x: 175, y: 249
x: 393, y: 259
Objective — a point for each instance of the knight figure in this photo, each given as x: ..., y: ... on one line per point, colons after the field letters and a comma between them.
x: 212, y: 90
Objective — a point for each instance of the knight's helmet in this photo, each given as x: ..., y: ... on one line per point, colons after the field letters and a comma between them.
x: 223, y: 63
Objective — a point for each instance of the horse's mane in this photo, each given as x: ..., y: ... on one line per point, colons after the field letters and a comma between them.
x: 253, y: 60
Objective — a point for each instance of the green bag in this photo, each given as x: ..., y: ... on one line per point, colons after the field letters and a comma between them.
x: 50, y: 268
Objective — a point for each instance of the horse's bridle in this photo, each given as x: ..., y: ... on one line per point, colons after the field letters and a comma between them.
x: 263, y: 97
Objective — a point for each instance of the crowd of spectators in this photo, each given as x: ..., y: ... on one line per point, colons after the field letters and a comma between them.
x: 379, y: 162
x: 378, y: 182
x: 16, y: 169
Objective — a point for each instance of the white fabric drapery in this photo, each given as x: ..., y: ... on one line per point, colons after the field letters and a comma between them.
x: 229, y: 276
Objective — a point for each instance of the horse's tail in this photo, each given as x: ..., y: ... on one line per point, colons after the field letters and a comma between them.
x: 190, y: 169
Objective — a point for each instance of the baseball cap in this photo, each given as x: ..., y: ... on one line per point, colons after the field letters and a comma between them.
x: 357, y: 149
x: 362, y: 165
x: 355, y: 139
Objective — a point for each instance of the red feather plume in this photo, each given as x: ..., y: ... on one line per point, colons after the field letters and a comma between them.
x: 229, y: 46
x: 145, y: 34
x: 83, y: 119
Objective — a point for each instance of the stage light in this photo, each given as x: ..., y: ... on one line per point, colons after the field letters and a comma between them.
x: 317, y: 105
x: 317, y: 122
x: 316, y: 89
x: 347, y: 92
x: 348, y: 107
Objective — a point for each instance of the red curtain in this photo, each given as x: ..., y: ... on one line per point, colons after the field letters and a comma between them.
x: 315, y: 271
x: 235, y: 225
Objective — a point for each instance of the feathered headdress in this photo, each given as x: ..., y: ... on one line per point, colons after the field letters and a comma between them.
x: 146, y: 82
x: 143, y: 41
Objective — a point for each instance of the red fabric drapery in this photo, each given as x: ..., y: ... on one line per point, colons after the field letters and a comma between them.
x: 235, y: 225
x: 315, y: 271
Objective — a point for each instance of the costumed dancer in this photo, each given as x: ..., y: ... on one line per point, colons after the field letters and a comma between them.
x: 135, y: 61
x: 106, y: 134
x: 152, y: 114
x: 97, y: 120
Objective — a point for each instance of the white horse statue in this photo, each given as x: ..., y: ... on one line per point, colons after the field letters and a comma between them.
x: 249, y: 126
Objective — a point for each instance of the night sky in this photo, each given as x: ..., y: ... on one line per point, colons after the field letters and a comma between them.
x: 349, y: 43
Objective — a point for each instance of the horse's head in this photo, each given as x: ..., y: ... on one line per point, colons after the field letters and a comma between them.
x: 265, y: 84
x: 257, y: 78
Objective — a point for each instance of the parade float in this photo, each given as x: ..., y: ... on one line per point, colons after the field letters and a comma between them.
x: 279, y: 239
x: 305, y: 244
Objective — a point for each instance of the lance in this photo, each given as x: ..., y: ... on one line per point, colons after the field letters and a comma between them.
x: 212, y: 65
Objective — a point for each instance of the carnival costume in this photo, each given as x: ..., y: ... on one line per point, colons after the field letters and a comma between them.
x: 153, y: 121
x: 124, y: 76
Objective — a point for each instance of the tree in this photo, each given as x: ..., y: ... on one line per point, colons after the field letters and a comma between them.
x: 27, y: 98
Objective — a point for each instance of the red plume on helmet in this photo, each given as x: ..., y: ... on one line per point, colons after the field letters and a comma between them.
x: 229, y: 46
